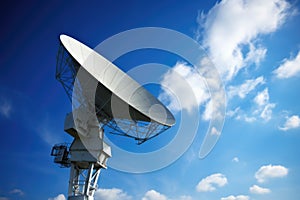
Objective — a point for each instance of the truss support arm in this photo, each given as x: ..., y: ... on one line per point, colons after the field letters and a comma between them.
x: 88, y: 155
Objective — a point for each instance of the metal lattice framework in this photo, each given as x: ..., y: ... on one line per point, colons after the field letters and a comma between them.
x: 80, y: 186
x: 66, y: 70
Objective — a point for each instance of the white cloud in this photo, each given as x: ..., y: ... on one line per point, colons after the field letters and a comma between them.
x: 240, y: 114
x: 5, y: 108
x: 235, y: 159
x: 291, y: 123
x: 232, y: 113
x: 289, y: 68
x: 249, y: 119
x: 214, y: 131
x: 215, y: 107
x: 185, y: 197
x: 255, y: 189
x: 255, y: 55
x: 239, y: 197
x: 261, y: 109
x: 59, y: 197
x: 266, y: 114
x: 118, y: 194
x: 232, y: 26
x: 4, y: 198
x: 262, y: 98
x: 154, y: 195
x: 209, y: 183
x: 111, y: 194
x: 270, y: 171
x: 183, y: 81
x: 17, y: 192
x: 264, y: 107
x: 186, y: 88
x: 245, y: 118
x: 245, y: 88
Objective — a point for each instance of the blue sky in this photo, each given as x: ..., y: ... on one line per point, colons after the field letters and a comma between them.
x: 253, y: 44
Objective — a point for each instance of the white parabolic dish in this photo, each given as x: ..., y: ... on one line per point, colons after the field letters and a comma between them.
x: 143, y: 105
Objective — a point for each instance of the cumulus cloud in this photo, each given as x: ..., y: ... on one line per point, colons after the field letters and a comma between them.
x: 154, y: 195
x: 214, y: 131
x: 215, y: 107
x: 261, y: 109
x: 262, y: 98
x: 185, y: 197
x: 267, y: 111
x: 244, y: 89
x: 235, y: 159
x: 118, y: 194
x: 111, y: 194
x: 288, y: 68
x: 185, y: 88
x: 291, y: 123
x: 264, y: 106
x: 264, y: 109
x: 59, y: 197
x: 255, y: 189
x: 234, y: 112
x: 239, y: 197
x: 270, y: 171
x: 232, y: 26
x: 17, y: 192
x: 249, y: 119
x: 239, y: 114
x: 210, y: 183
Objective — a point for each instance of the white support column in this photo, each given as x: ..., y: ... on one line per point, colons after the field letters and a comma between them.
x: 71, y: 180
x: 74, y: 181
x: 88, y: 155
x: 88, y: 180
x: 94, y: 185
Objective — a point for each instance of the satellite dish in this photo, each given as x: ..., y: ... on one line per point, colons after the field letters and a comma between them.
x: 115, y: 92
x: 105, y: 96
